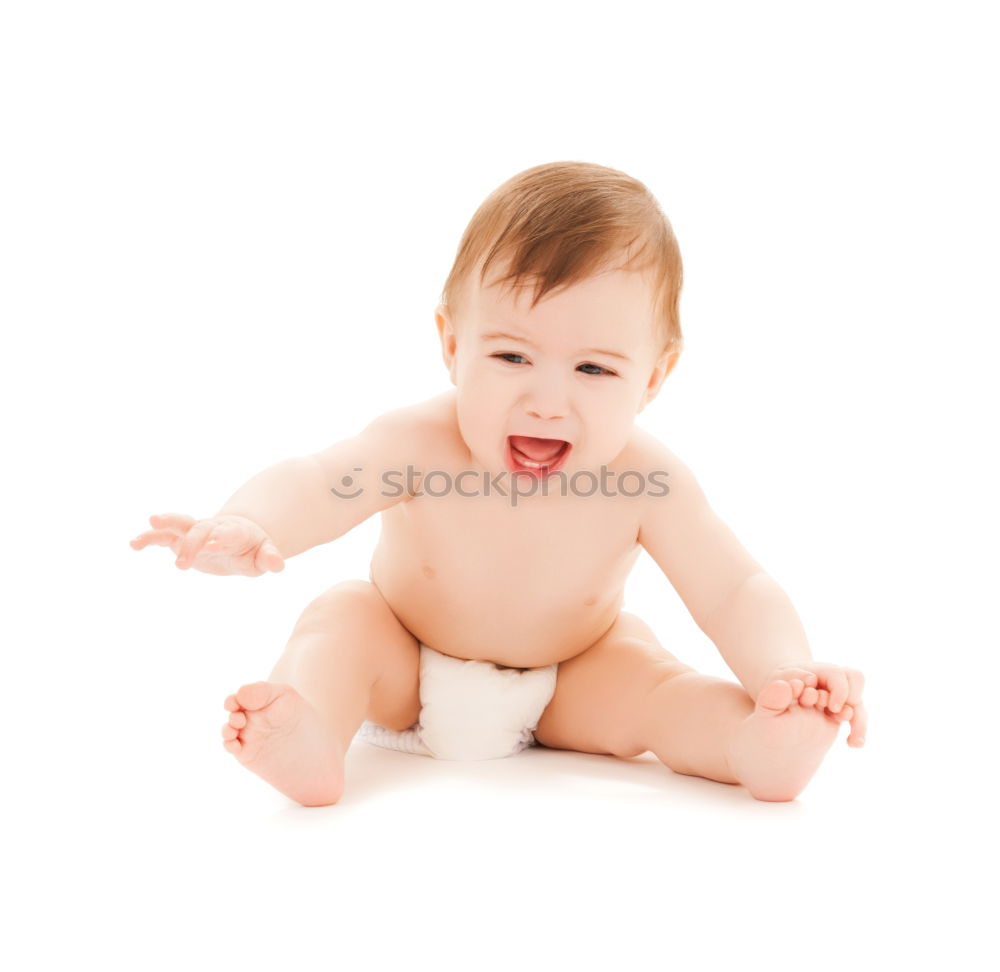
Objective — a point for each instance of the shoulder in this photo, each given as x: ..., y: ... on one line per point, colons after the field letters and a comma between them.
x: 413, y: 438
x: 420, y: 426
x: 645, y: 453
x: 670, y: 486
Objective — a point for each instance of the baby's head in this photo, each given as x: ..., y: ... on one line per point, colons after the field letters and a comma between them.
x: 582, y: 353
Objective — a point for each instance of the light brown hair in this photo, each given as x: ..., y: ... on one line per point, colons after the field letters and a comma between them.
x: 561, y: 222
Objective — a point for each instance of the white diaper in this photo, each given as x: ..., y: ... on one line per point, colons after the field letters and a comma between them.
x: 470, y: 709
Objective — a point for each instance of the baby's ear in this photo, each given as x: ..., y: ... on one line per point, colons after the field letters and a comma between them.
x: 449, y: 343
x: 664, y: 365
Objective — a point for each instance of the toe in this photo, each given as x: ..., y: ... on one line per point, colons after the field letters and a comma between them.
x: 228, y: 732
x: 808, y: 697
x: 256, y: 695
x: 231, y: 704
x: 233, y: 745
x: 238, y: 720
x: 775, y: 698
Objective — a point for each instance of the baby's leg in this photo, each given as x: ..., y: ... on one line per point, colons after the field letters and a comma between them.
x: 348, y: 659
x: 700, y: 725
x: 626, y: 694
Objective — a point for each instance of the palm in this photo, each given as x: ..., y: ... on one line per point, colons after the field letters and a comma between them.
x: 227, y: 544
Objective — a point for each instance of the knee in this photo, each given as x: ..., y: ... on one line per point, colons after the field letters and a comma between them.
x: 342, y: 598
x: 347, y: 592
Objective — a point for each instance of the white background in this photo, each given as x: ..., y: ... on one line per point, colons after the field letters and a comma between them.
x: 224, y: 230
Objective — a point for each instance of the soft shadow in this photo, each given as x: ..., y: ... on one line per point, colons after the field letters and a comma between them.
x: 374, y: 774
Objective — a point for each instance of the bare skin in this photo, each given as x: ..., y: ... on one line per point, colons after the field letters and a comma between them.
x: 275, y: 733
x: 777, y: 749
x: 523, y: 580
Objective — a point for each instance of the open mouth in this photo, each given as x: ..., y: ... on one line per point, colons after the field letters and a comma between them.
x: 539, y: 457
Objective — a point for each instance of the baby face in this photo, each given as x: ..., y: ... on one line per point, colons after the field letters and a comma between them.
x: 577, y: 368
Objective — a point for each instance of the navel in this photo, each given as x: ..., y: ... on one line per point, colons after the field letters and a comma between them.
x: 590, y: 600
x: 428, y: 571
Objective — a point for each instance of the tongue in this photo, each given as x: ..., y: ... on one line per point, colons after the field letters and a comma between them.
x: 538, y: 450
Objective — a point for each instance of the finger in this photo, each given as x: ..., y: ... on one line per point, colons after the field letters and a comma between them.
x: 194, y: 541
x: 177, y: 521
x: 268, y: 558
x: 839, y: 686
x: 260, y: 561
x: 857, y: 685
x: 277, y: 562
x: 162, y: 538
x: 859, y: 726
x: 845, y: 714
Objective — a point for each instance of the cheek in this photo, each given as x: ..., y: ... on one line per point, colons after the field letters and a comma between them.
x: 477, y: 411
x: 486, y: 391
x: 611, y: 416
x: 614, y: 402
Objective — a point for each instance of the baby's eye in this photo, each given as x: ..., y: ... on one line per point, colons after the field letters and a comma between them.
x: 599, y: 371
x: 507, y: 355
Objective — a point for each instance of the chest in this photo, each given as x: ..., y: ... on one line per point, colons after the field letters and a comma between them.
x: 532, y: 536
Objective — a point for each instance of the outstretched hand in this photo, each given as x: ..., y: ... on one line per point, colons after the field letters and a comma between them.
x: 832, y: 688
x: 226, y: 544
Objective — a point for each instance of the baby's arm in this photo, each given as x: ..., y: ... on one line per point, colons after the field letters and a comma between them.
x: 740, y: 607
x: 311, y: 500
x: 296, y: 504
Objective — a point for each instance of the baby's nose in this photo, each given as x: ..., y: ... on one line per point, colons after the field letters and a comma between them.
x: 546, y: 403
x: 546, y: 413
x: 546, y: 399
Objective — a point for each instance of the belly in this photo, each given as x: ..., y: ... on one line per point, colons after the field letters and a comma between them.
x: 488, y: 610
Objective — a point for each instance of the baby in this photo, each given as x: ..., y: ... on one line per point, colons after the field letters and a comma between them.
x: 514, y: 506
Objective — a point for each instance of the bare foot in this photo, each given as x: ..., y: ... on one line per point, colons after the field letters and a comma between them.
x: 281, y: 737
x: 780, y: 745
